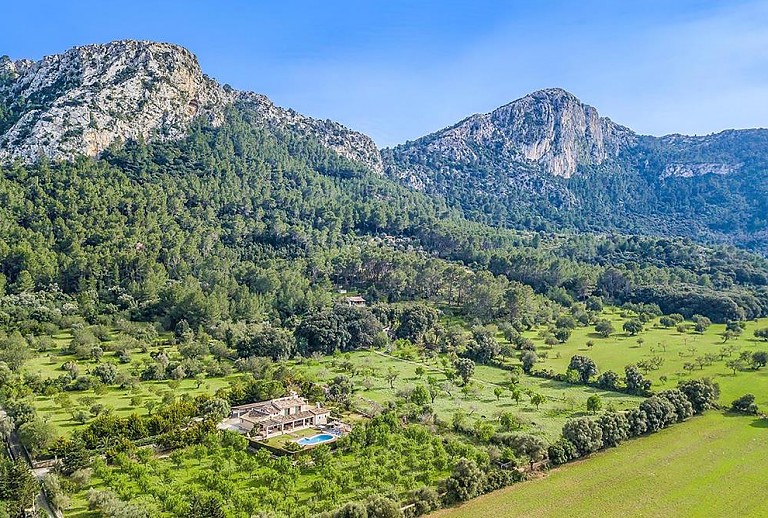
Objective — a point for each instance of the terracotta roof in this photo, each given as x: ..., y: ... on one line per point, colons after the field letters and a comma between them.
x: 264, y: 411
x: 251, y: 406
x: 269, y: 406
x: 282, y: 419
x: 268, y: 413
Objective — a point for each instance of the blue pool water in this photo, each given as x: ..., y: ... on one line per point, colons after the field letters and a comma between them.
x: 316, y: 439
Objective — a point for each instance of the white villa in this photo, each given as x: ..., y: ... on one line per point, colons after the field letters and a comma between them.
x: 276, y: 417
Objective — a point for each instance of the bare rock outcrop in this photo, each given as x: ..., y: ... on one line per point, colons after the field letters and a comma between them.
x: 83, y: 100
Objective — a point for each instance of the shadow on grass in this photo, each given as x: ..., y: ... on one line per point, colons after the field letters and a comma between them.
x: 757, y: 422
x: 559, y: 385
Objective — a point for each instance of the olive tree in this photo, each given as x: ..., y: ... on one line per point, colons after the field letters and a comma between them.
x: 585, y: 367
x: 585, y: 434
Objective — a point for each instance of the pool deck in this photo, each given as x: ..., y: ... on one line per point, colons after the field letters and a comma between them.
x: 279, y: 440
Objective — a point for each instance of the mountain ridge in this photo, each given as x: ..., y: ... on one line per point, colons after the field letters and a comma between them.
x: 544, y: 161
x: 547, y: 161
x: 86, y: 98
x: 524, y: 146
x: 549, y: 126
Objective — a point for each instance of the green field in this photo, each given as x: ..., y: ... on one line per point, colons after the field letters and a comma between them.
x: 367, y: 370
x: 563, y: 400
x: 116, y: 399
x: 676, y: 349
x: 713, y: 465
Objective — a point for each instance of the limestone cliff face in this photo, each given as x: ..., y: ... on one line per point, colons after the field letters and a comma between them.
x: 81, y: 101
x: 538, y: 141
x: 550, y: 129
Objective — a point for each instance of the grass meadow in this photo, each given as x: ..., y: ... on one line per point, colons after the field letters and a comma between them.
x: 712, y: 465
x: 368, y: 369
x: 563, y: 401
x: 48, y: 365
x: 675, y: 348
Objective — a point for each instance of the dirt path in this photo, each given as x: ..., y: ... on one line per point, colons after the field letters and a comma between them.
x: 16, y: 451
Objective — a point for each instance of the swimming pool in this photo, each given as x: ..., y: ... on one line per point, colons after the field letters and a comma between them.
x: 316, y: 439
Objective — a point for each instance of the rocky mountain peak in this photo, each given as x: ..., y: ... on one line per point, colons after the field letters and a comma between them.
x: 86, y: 98
x: 551, y: 128
x: 81, y: 101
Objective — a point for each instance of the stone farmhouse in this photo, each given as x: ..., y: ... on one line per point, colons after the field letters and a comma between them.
x: 277, y: 416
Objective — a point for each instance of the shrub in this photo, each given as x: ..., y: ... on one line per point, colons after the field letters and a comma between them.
x: 608, y: 380
x: 683, y: 407
x: 634, y: 380
x: 659, y: 412
x: 702, y: 393
x: 465, y: 482
x: 615, y: 428
x: 604, y: 328
x: 528, y: 360
x: 424, y: 500
x: 562, y: 451
x: 106, y: 372
x: 585, y: 434
x: 745, y: 404
x: 382, y: 507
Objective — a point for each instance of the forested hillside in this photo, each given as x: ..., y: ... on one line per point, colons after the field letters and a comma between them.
x: 246, y: 223
x: 547, y: 161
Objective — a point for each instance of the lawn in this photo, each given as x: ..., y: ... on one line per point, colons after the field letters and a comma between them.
x: 713, y: 465
x: 676, y: 349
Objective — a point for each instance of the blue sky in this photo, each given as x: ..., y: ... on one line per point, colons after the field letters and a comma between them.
x: 397, y: 70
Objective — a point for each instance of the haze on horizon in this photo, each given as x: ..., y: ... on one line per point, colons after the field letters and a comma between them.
x: 399, y: 70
